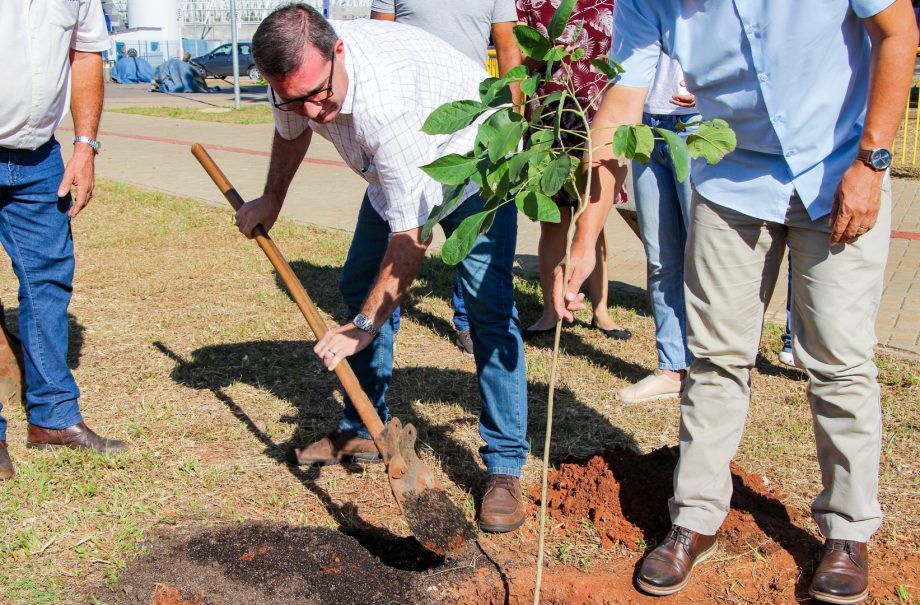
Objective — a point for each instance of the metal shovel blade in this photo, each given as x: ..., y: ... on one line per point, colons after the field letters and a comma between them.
x: 436, y: 521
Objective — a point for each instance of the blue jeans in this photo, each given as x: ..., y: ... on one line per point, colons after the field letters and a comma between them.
x: 486, y: 278
x: 663, y: 208
x: 35, y: 232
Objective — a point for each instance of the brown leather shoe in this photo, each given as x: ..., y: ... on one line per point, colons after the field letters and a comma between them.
x: 6, y: 464
x: 843, y: 575
x: 667, y: 569
x: 336, y: 447
x: 78, y: 437
x: 502, y: 505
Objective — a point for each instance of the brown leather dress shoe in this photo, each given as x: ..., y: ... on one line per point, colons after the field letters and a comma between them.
x: 78, y: 437
x: 502, y: 505
x: 6, y: 464
x: 667, y: 569
x: 336, y: 447
x: 843, y: 575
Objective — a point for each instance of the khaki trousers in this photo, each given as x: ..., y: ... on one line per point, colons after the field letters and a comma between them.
x: 731, y: 266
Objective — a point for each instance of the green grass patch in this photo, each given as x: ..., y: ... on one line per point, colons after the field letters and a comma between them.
x: 246, y: 114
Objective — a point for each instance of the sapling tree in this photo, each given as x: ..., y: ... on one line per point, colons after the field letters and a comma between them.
x: 527, y: 162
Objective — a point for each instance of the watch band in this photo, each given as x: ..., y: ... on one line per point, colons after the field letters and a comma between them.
x: 96, y: 145
x: 363, y: 322
x: 878, y: 159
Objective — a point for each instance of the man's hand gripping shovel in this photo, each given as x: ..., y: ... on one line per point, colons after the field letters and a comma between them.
x: 418, y: 492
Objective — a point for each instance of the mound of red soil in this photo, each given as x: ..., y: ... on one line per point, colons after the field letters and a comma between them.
x: 624, y: 495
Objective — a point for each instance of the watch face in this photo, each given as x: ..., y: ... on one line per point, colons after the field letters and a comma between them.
x: 880, y: 159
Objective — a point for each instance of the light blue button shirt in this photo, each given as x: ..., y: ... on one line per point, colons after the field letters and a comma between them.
x: 790, y: 77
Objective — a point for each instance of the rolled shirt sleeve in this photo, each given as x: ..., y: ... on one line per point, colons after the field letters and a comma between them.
x: 504, y: 11
x: 387, y: 7
x: 636, y: 42
x: 869, y: 8
x: 287, y: 123
x: 90, y: 34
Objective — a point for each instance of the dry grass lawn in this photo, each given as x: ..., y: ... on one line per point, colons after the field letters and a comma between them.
x: 246, y: 114
x: 184, y: 344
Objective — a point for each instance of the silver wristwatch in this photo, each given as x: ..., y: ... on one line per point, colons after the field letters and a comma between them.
x: 96, y: 145
x: 363, y: 322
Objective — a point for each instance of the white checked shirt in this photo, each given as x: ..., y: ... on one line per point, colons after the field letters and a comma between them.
x: 397, y: 75
x: 35, y: 41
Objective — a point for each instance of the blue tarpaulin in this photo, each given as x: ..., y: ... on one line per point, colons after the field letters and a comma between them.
x: 178, y: 76
x: 132, y: 69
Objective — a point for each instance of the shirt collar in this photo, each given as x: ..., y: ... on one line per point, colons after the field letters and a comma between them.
x: 349, y: 101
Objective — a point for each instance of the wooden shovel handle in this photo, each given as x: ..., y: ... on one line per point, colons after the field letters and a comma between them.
x: 343, y: 370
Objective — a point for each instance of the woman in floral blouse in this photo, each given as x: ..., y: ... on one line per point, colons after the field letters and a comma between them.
x: 593, y: 20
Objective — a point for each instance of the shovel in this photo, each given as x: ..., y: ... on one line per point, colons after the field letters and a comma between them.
x: 436, y: 522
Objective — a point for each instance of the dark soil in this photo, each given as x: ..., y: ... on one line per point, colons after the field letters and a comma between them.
x: 625, y: 494
x: 271, y: 564
x: 438, y: 524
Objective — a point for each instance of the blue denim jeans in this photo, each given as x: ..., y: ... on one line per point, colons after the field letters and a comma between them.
x: 663, y: 207
x: 486, y: 278
x: 461, y: 318
x: 35, y: 232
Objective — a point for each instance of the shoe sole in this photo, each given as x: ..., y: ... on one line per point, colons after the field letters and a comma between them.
x: 663, y: 591
x: 59, y: 446
x: 356, y: 458
x: 631, y: 402
x: 836, y: 599
x: 498, y: 528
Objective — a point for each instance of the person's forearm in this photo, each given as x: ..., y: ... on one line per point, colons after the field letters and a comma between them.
x: 508, y: 59
x: 285, y: 160
x: 86, y: 92
x: 608, y: 172
x: 398, y: 269
x: 894, y: 43
x: 508, y: 54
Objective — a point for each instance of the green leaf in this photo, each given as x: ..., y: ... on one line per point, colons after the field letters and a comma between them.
x: 634, y: 141
x: 529, y: 86
x: 498, y: 92
x: 680, y: 155
x: 453, y: 116
x: 557, y: 122
x: 517, y: 162
x: 533, y: 44
x: 461, y: 241
x: 507, y: 140
x: 541, y: 139
x: 452, y: 199
x: 537, y: 206
x: 451, y: 169
x: 484, y: 136
x: 555, y: 54
x: 485, y: 88
x: 712, y: 140
x: 487, y: 223
x: 560, y: 18
x: 603, y: 66
x: 578, y: 54
x: 555, y: 175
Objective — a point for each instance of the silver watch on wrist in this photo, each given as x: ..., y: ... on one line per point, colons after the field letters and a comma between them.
x: 363, y: 322
x: 96, y: 145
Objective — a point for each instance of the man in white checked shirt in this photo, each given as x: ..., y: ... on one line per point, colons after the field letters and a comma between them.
x: 368, y: 86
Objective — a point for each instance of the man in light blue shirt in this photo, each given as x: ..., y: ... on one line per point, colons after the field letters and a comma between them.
x: 814, y: 92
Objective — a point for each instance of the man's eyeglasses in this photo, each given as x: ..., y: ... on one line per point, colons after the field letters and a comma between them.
x: 316, y: 97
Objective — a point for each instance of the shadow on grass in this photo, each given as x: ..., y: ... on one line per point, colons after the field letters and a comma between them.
x: 75, y: 330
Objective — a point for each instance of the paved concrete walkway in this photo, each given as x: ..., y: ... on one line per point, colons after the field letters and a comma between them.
x: 154, y: 153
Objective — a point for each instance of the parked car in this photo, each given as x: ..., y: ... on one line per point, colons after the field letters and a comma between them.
x: 219, y: 62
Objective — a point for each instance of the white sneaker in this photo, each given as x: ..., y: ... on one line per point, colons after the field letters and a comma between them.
x: 651, y: 388
x: 785, y: 358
